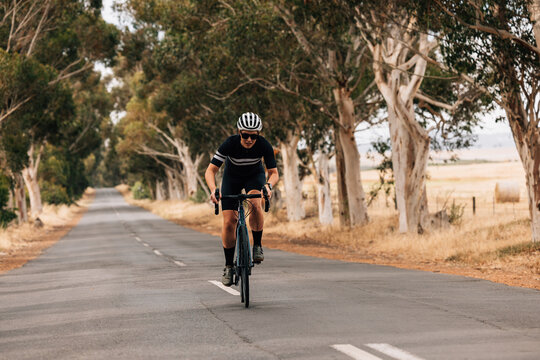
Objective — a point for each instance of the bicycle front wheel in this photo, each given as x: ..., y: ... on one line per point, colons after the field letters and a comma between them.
x: 245, y: 285
x: 244, y: 262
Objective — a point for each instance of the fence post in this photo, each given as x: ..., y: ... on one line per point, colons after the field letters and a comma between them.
x: 474, y: 205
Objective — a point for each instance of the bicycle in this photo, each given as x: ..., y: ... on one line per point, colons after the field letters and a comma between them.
x: 243, y: 264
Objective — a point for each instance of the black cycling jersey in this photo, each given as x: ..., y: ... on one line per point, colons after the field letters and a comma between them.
x: 240, y: 161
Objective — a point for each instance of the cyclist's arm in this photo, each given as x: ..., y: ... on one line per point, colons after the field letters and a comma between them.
x: 273, y: 176
x: 210, y: 177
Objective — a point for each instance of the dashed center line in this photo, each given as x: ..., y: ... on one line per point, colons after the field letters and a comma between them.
x: 159, y: 253
x: 223, y: 287
x: 355, y: 352
x: 387, y: 349
x: 393, y: 352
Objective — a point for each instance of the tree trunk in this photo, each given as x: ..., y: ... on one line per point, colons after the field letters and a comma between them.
x: 530, y: 156
x: 343, y: 202
x: 322, y: 177
x: 291, y: 179
x: 409, y: 140
x: 190, y: 177
x: 160, y: 191
x: 355, y: 191
x: 190, y: 168
x: 11, y: 201
x: 20, y: 199
x: 528, y: 146
x: 409, y: 161
x: 173, y: 185
x: 30, y: 176
x: 534, y: 10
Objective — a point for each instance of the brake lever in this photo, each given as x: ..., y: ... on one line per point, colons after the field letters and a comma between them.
x: 266, y: 200
x: 216, y: 210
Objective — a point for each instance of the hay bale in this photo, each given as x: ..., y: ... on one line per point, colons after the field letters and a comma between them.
x: 506, y: 191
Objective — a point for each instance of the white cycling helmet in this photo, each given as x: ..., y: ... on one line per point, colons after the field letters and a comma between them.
x: 250, y: 122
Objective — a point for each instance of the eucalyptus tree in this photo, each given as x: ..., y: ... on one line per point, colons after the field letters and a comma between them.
x: 495, y: 46
x: 329, y: 40
x: 65, y: 36
x: 35, y: 120
x: 260, y: 52
x: 402, y: 51
x: 311, y: 53
x: 183, y: 54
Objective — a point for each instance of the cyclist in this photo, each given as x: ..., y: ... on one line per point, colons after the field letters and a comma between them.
x: 242, y: 155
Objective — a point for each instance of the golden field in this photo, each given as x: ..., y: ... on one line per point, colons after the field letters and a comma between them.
x: 494, y: 244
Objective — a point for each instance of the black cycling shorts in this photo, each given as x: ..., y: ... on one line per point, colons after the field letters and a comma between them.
x: 233, y: 185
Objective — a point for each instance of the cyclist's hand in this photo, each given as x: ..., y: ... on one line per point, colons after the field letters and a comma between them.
x: 213, y: 198
x: 268, y: 191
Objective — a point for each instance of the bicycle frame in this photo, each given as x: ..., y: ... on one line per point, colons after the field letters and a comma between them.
x: 241, y: 226
x: 244, y: 261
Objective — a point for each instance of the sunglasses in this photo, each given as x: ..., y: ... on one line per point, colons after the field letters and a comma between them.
x: 247, y: 136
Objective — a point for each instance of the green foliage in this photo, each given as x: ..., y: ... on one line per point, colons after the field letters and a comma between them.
x: 54, y: 194
x: 386, y: 181
x: 6, y: 215
x: 200, y: 196
x: 140, y: 191
x: 62, y: 176
x: 49, y: 93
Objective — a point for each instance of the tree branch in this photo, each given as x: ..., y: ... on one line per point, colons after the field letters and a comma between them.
x: 38, y: 30
x: 503, y: 34
x: 4, y: 114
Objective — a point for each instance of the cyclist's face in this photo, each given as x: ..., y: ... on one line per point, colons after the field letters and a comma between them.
x: 248, y: 141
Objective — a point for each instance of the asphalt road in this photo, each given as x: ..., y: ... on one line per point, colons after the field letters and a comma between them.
x: 125, y: 284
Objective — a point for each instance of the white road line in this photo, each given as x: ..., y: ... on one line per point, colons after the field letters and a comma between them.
x: 355, y: 352
x: 158, y: 253
x: 394, y: 352
x: 138, y: 238
x: 179, y: 263
x: 223, y: 287
x: 145, y: 244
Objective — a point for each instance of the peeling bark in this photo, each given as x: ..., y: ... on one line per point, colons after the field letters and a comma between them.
x: 410, y: 141
x: 291, y: 179
x: 174, y: 186
x: 30, y: 176
x: 343, y: 202
x: 527, y: 140
x: 324, y: 198
x: 160, y: 191
x: 20, y: 199
x: 355, y: 191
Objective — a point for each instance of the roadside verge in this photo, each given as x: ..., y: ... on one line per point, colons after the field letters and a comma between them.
x: 22, y: 243
x: 494, y: 252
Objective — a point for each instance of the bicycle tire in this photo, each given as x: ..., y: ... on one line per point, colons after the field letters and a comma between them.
x: 245, y: 285
x: 244, y: 265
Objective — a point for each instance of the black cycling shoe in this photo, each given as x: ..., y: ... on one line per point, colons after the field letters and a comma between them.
x: 227, y: 278
x: 258, y: 255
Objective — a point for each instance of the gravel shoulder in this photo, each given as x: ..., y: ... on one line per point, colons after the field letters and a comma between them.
x: 29, y: 242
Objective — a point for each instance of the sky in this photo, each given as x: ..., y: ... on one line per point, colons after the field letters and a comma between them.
x: 491, y: 134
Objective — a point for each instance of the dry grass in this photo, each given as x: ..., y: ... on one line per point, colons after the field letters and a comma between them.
x: 475, y: 247
x: 21, y: 243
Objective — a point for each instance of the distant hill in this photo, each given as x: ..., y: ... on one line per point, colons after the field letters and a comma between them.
x: 489, y: 147
x: 495, y: 140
